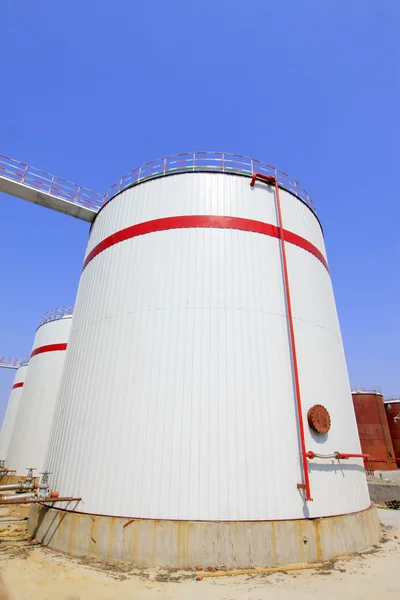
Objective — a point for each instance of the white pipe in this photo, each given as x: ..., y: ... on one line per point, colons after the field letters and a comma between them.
x: 11, y: 486
x: 18, y: 496
x: 15, y: 486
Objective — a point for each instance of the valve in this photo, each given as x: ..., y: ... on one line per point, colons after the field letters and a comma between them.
x: 44, y: 489
x: 27, y: 483
x: 3, y: 470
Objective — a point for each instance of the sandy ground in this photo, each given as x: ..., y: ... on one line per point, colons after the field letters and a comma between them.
x: 34, y: 573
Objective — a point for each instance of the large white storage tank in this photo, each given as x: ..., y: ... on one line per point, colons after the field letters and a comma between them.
x: 205, y: 329
x: 29, y: 440
x: 12, y: 409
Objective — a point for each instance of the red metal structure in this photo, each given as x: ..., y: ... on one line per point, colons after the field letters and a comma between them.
x: 373, y: 429
x: 392, y: 409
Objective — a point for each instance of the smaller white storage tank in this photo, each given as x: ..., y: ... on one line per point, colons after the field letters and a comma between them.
x: 12, y: 409
x: 29, y: 439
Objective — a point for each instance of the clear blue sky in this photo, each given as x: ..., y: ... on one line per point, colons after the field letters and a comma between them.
x: 91, y: 89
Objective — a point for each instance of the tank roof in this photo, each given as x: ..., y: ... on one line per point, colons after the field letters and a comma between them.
x: 57, y: 313
x: 366, y: 391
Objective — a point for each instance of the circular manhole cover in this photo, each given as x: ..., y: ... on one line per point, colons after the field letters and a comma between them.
x: 319, y: 419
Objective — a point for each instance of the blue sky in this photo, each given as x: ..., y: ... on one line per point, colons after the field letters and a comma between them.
x: 92, y: 89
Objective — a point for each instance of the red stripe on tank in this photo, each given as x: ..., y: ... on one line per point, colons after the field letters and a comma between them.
x: 18, y: 385
x: 203, y: 221
x: 48, y: 348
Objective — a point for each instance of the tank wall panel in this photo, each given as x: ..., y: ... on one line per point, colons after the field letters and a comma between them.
x: 178, y: 403
x: 373, y: 429
x: 298, y: 218
x: 204, y: 194
x: 392, y: 410
x: 11, y: 412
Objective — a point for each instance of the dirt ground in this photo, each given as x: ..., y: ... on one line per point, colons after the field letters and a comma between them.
x: 31, y: 572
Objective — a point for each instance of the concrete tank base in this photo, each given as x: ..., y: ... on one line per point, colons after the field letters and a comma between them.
x: 241, y: 544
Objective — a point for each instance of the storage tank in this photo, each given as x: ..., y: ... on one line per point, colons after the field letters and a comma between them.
x: 12, y: 409
x: 373, y: 429
x: 392, y: 409
x: 204, y: 373
x: 28, y: 443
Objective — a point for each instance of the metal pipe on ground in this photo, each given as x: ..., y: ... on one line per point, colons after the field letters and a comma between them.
x: 18, y: 486
x: 16, y: 520
x: 320, y: 565
x: 34, y: 500
x: 9, y: 487
x: 21, y: 497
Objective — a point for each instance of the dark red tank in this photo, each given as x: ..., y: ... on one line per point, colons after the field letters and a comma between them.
x: 392, y: 408
x: 373, y: 430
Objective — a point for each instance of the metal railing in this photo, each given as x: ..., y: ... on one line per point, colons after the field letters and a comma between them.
x: 12, y: 363
x: 57, y: 313
x: 221, y: 162
x: 44, y: 182
x: 364, y: 390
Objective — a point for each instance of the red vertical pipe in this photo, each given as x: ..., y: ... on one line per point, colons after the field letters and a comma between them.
x: 274, y: 180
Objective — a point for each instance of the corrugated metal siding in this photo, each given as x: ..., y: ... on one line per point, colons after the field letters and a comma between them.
x: 177, y: 398
x: 203, y: 194
x: 11, y: 412
x: 373, y: 428
x: 324, y: 380
x: 28, y: 443
x: 393, y: 410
